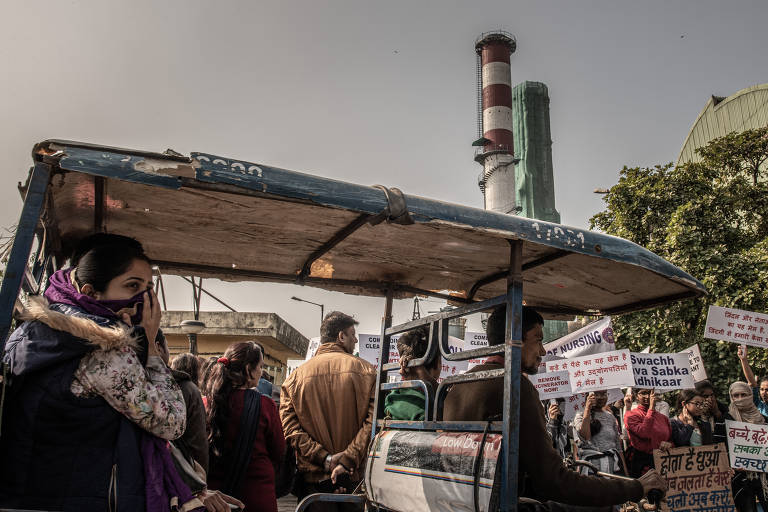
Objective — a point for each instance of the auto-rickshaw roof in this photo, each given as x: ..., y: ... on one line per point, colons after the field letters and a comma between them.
x: 214, y: 216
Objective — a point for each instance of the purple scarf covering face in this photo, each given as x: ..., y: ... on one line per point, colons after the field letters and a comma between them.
x: 162, y: 480
x: 61, y: 290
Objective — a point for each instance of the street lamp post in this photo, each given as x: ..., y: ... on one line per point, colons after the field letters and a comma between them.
x: 322, y: 308
x: 192, y: 328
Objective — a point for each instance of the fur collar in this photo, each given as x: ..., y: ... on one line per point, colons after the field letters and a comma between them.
x: 103, y: 337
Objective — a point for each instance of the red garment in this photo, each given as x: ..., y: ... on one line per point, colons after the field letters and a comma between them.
x: 647, y: 429
x: 258, y: 491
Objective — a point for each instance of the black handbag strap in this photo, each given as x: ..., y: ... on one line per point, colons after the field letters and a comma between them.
x: 243, y: 447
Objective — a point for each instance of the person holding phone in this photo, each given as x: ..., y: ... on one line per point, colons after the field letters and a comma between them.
x: 648, y: 430
x: 688, y: 427
x: 88, y: 388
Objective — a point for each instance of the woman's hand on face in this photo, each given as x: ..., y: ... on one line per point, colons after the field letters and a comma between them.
x: 150, y: 318
x: 652, y: 402
x: 590, y: 403
x: 554, y: 411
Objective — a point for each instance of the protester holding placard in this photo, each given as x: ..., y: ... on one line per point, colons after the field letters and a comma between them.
x: 598, y: 432
x: 596, y: 428
x: 648, y: 430
x: 688, y: 429
x: 747, y: 485
x: 759, y: 390
x: 408, y: 403
x: 558, y: 428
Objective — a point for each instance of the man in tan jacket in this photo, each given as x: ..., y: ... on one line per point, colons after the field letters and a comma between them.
x: 326, y: 409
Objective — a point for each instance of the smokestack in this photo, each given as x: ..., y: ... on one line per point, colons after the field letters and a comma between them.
x: 496, y: 151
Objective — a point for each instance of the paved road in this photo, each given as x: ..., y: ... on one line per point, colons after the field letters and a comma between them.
x: 286, y: 503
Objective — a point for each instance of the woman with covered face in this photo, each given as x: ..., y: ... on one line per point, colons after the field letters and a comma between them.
x: 748, y: 486
x: 688, y: 427
x: 648, y: 430
x: 91, y: 403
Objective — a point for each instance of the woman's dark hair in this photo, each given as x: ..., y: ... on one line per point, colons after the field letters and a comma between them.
x: 684, y: 396
x: 413, y: 345
x: 497, y: 323
x: 225, y: 377
x: 101, y: 257
x: 189, y: 364
x: 205, y: 372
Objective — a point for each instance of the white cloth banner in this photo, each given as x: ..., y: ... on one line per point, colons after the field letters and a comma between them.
x: 592, y: 339
x: 747, y: 445
x: 551, y: 384
x: 737, y: 326
x: 663, y: 372
x: 697, y: 364
x: 597, y: 371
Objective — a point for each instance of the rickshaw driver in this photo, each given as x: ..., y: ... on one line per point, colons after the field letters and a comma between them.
x: 541, y: 471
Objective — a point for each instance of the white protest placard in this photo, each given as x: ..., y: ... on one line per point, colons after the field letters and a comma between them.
x: 370, y: 346
x: 697, y: 364
x: 453, y: 367
x: 747, y: 445
x: 663, y: 372
x: 614, y: 395
x: 591, y: 339
x: 473, y: 340
x: 596, y: 372
x: 737, y: 326
x: 314, y: 343
x: 573, y: 405
x: 551, y: 384
x: 547, y: 358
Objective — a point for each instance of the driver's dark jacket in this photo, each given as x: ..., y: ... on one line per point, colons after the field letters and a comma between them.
x: 542, y: 473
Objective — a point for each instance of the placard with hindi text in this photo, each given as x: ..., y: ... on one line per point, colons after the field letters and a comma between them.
x: 698, y: 478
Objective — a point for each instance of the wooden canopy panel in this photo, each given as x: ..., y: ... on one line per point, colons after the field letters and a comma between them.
x: 233, y: 220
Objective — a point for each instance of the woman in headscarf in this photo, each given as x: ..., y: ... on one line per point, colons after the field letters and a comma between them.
x: 92, y: 403
x: 747, y: 485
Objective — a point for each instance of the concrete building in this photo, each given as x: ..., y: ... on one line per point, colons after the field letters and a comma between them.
x: 222, y: 328
x: 744, y: 110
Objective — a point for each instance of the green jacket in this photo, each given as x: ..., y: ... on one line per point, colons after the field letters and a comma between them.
x: 405, y: 404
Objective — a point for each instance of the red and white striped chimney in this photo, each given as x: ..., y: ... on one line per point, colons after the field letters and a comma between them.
x: 497, y: 154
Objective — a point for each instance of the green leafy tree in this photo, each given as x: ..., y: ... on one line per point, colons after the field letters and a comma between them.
x: 710, y: 218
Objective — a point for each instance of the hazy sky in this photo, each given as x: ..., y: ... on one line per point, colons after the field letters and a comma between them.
x: 368, y: 92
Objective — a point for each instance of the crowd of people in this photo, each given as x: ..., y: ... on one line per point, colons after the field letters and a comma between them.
x: 97, y: 416
x: 631, y: 429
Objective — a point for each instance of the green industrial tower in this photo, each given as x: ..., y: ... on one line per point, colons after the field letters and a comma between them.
x: 534, y: 181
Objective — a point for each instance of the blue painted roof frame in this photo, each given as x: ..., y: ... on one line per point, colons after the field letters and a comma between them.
x: 173, y: 172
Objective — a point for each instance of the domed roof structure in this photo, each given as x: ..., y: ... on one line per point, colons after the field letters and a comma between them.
x: 744, y: 110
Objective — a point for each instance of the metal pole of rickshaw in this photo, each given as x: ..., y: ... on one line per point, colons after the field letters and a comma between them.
x: 16, y: 268
x: 512, y: 348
